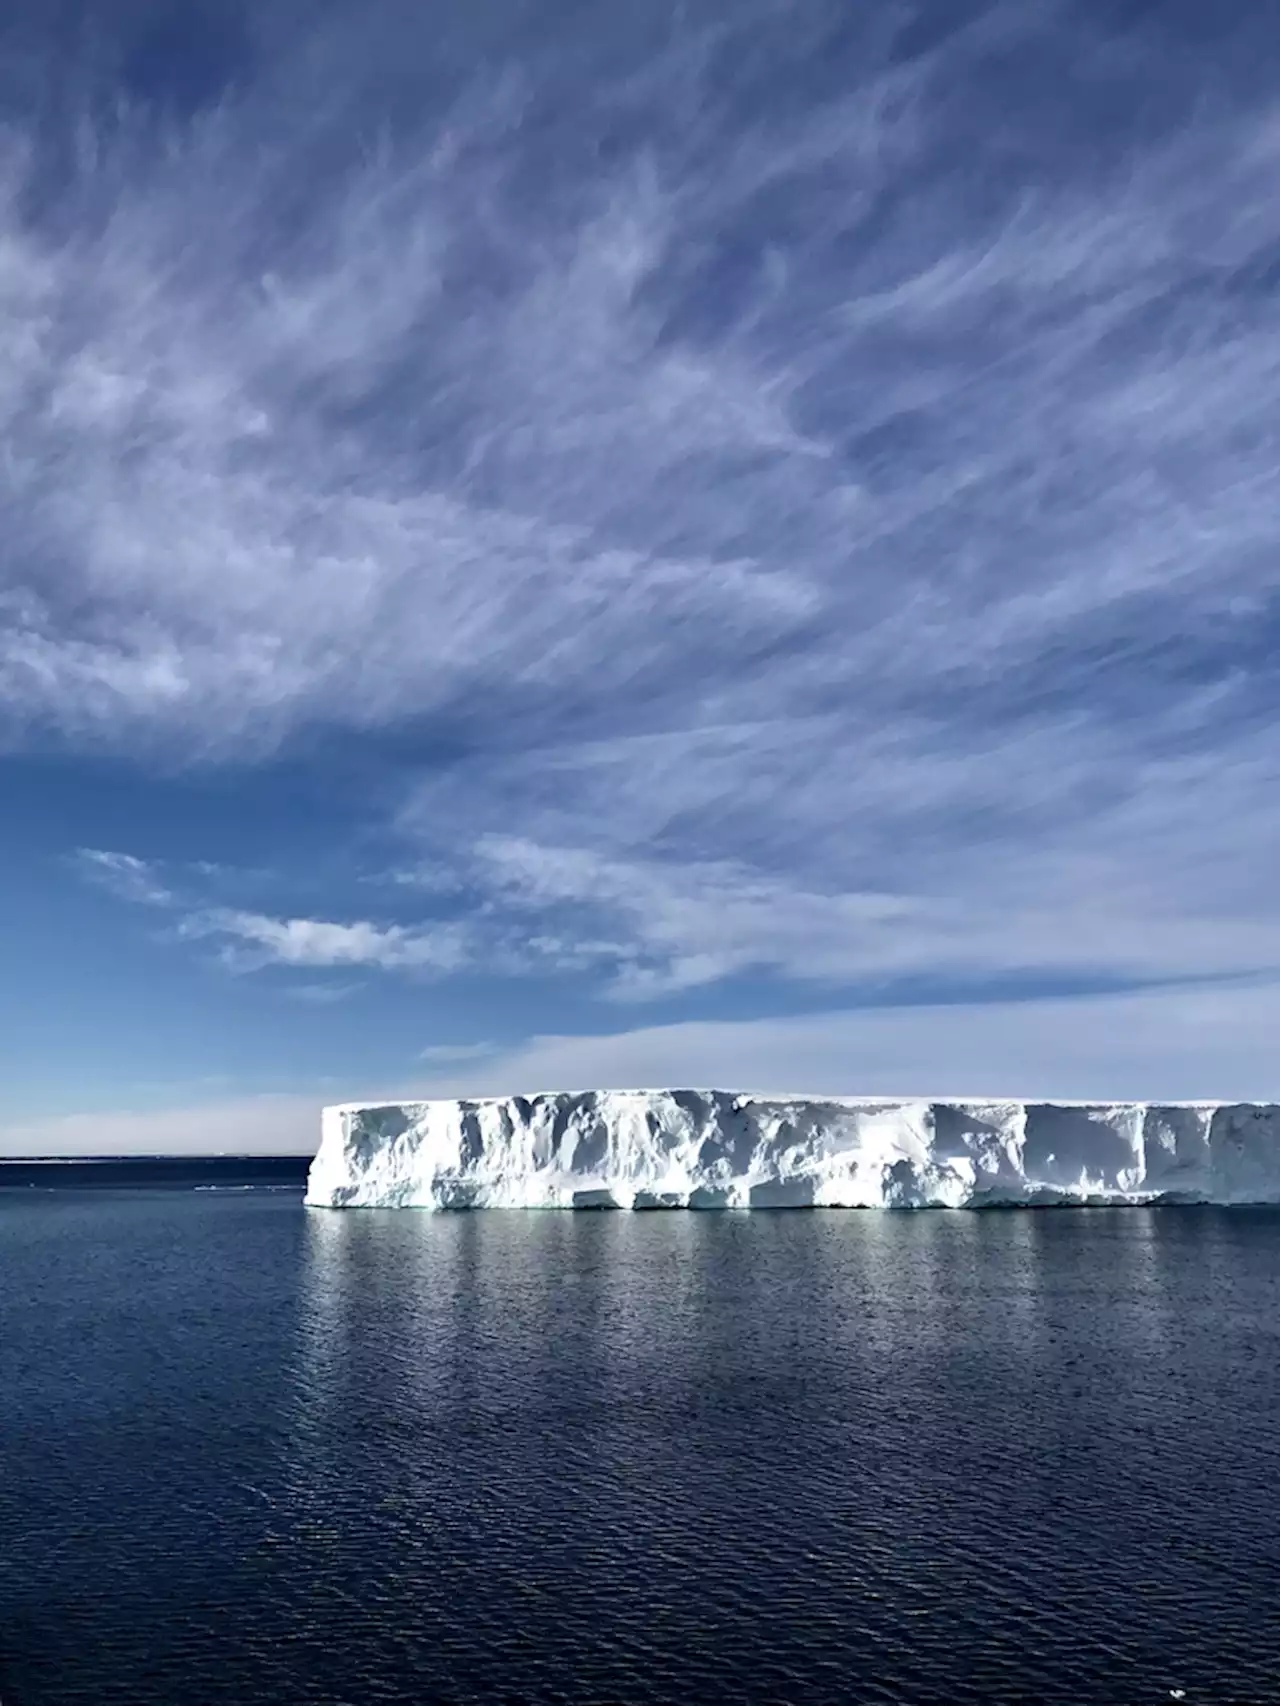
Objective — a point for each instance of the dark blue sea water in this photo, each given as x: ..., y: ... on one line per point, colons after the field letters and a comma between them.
x: 251, y: 1453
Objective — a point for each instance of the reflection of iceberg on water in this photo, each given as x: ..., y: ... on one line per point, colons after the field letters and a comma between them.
x: 649, y: 1149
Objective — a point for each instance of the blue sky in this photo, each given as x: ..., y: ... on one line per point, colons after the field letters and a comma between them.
x: 573, y: 544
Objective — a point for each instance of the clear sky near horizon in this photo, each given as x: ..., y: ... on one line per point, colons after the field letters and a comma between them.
x: 573, y: 544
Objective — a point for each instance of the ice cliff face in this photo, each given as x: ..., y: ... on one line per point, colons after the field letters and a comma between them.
x: 711, y: 1149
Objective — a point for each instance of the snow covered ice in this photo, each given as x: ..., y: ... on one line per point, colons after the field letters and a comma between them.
x: 715, y: 1149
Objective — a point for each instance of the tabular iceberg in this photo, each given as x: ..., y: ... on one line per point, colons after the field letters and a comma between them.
x: 714, y: 1149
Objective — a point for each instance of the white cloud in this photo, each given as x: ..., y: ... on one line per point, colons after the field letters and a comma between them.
x: 254, y: 939
x: 251, y: 940
x: 1059, y: 851
x: 124, y: 875
x: 320, y: 994
x: 204, y: 550
x: 834, y: 536
x: 228, y: 563
x: 1209, y: 1041
x: 447, y: 1054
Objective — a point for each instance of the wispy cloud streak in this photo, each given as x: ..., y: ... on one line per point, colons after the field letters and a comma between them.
x: 124, y: 875
x: 812, y: 478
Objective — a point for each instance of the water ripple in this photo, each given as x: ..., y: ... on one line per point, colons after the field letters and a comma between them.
x: 255, y: 1455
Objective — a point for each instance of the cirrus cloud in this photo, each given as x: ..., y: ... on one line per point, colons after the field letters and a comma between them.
x: 806, y: 480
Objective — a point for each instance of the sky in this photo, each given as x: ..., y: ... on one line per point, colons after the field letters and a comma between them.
x: 560, y: 545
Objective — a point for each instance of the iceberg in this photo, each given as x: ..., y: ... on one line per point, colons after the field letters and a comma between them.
x: 641, y: 1149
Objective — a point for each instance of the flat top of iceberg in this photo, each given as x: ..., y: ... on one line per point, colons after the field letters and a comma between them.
x: 826, y: 1098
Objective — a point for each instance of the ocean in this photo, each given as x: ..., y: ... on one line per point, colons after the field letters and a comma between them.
x: 251, y: 1452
